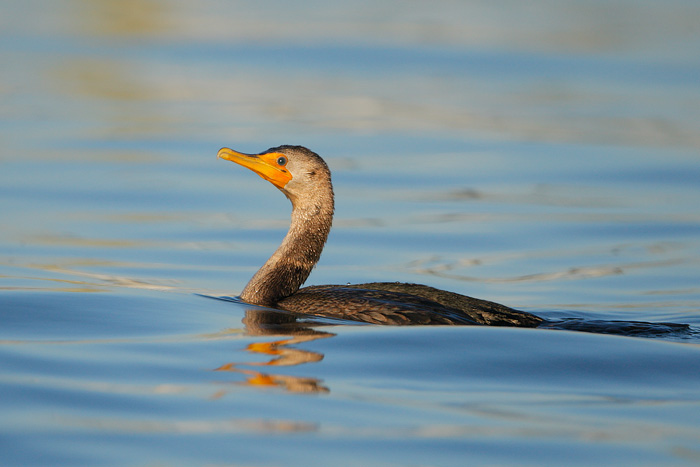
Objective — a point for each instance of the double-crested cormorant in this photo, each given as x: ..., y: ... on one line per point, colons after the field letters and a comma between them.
x: 305, y: 179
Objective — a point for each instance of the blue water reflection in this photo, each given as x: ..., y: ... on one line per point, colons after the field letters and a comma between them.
x: 540, y: 155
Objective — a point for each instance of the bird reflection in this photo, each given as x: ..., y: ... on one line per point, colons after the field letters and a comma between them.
x: 280, y: 352
x: 293, y: 329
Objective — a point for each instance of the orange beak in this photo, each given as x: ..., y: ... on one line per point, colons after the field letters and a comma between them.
x: 266, y: 165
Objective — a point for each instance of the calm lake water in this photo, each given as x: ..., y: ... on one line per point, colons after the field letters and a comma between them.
x: 544, y: 155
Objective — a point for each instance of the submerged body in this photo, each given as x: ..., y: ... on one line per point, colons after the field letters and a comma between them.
x: 401, y: 303
x: 306, y: 180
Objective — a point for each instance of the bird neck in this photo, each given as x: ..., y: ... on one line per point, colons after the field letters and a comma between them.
x: 291, y: 264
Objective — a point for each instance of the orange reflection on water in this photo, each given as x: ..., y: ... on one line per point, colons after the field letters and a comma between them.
x: 280, y: 352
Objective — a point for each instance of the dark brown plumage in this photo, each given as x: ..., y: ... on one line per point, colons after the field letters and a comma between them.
x: 306, y: 180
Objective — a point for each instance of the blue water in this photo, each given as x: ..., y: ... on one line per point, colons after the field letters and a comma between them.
x: 541, y: 155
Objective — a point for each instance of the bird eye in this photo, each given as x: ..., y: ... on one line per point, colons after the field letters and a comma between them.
x: 282, y: 161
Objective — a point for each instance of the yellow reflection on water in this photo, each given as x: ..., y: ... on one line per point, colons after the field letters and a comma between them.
x: 100, y: 78
x: 88, y: 281
x: 123, y: 17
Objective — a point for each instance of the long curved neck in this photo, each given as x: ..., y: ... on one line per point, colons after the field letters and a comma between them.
x: 291, y: 264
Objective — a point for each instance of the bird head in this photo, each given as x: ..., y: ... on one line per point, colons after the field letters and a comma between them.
x: 295, y: 170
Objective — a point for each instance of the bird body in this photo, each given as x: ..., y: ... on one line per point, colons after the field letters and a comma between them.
x: 306, y: 181
x: 402, y: 303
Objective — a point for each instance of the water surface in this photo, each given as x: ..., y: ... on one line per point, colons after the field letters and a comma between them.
x: 544, y: 156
